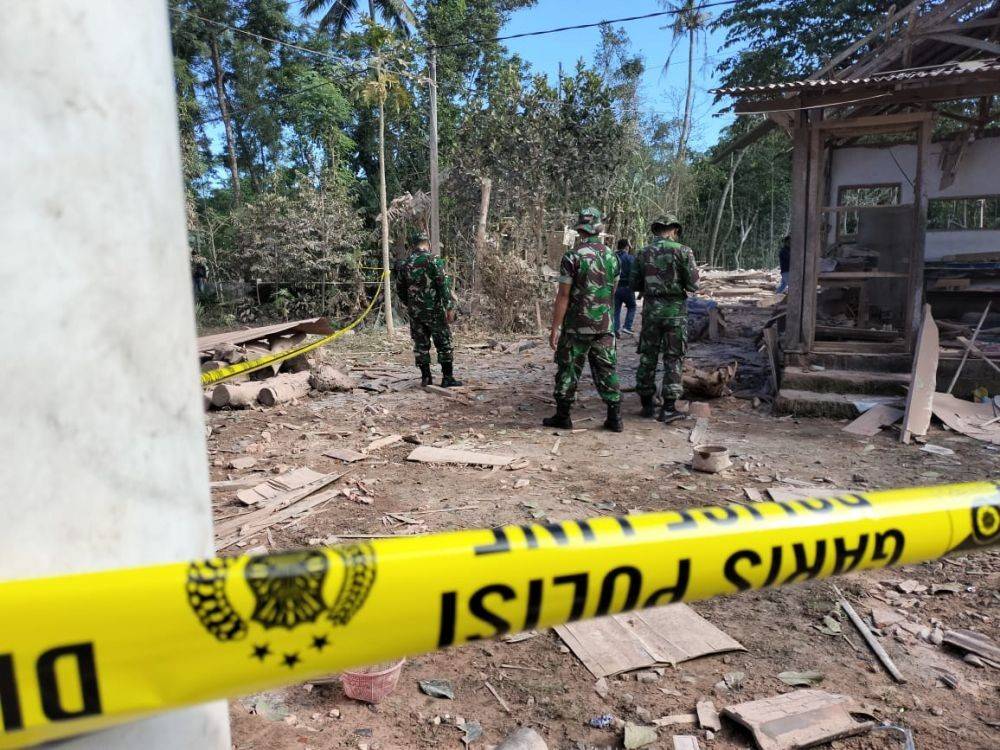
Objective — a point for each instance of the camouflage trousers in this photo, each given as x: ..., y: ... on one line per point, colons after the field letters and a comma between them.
x: 423, y: 332
x: 576, y: 348
x: 666, y: 336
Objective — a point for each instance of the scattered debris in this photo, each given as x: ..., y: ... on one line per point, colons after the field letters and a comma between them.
x: 674, y: 719
x: 383, y: 442
x: 272, y: 488
x: 437, y: 689
x: 429, y: 455
x: 524, y: 738
x: 801, y: 679
x: 871, y: 422
x: 976, y: 420
x: 697, y: 433
x: 937, y: 449
x: 923, y: 379
x: 708, y: 717
x: 472, y: 731
x: 637, y: 735
x: 799, y: 719
x: 869, y: 637
x: 710, y: 383
x: 975, y: 643
x: 244, y: 462
x: 686, y: 742
x: 604, y: 721
x: 830, y: 626
x: 501, y: 701
x: 639, y: 640
x: 601, y: 687
x: 347, y: 455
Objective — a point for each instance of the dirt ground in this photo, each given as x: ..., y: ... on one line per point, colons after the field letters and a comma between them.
x: 643, y: 469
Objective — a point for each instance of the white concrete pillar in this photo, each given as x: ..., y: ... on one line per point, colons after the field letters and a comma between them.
x: 100, y: 412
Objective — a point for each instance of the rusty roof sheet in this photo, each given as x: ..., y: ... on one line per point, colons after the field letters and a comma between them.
x: 937, y: 72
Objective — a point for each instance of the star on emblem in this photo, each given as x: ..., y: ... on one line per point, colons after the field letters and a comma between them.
x: 261, y: 652
x: 320, y: 642
x: 291, y: 660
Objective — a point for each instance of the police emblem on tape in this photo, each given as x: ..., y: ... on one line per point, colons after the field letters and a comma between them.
x: 287, y: 591
x: 985, y: 522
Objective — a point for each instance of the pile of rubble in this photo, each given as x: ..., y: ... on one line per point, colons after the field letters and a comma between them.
x: 277, y: 383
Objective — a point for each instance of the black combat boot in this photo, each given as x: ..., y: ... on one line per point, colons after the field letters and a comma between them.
x: 448, y: 376
x: 561, y: 418
x: 647, y: 406
x: 668, y: 412
x: 425, y: 375
x: 614, y: 421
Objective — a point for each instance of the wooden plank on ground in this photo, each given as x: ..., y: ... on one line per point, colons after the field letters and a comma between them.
x: 872, y: 421
x: 383, y: 442
x: 255, y: 526
x: 347, y: 455
x: 647, y: 638
x: 274, y: 505
x: 923, y: 380
x: 427, y: 454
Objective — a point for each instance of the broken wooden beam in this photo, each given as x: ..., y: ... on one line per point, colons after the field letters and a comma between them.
x: 870, y: 639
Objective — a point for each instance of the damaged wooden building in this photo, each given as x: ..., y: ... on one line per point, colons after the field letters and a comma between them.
x: 895, y: 208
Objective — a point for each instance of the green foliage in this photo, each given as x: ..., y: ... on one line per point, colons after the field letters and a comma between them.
x: 785, y: 39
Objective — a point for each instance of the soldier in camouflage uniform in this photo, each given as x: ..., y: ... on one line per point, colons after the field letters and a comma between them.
x: 663, y: 275
x: 423, y: 287
x: 581, y: 324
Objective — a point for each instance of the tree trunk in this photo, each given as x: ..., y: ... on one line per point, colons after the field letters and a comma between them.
x: 383, y: 206
x: 734, y: 163
x: 236, y: 395
x: 686, y: 126
x: 284, y: 388
x: 220, y: 92
x: 480, y: 249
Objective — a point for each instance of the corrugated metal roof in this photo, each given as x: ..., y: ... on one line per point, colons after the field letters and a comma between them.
x: 937, y: 72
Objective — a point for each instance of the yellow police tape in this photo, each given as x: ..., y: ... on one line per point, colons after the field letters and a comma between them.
x: 217, y: 376
x: 84, y: 651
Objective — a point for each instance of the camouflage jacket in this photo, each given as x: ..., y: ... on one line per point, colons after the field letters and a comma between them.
x: 592, y: 269
x: 421, y: 285
x: 665, y: 273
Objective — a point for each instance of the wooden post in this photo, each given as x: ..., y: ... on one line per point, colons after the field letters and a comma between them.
x: 915, y: 282
x: 800, y: 173
x: 480, y: 247
x: 814, y: 234
x: 435, y: 188
x: 390, y: 328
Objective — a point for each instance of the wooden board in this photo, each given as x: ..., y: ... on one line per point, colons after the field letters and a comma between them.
x: 923, y: 380
x: 872, y: 421
x: 383, y: 442
x: 231, y: 526
x: 803, y: 718
x: 426, y: 454
x: 770, y: 335
x: 638, y: 640
x: 311, y: 325
x: 347, y: 455
x: 967, y: 417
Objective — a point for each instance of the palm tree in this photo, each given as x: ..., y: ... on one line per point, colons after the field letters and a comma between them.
x: 340, y: 12
x: 689, y: 21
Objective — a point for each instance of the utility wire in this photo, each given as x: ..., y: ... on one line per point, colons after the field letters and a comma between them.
x: 560, y: 29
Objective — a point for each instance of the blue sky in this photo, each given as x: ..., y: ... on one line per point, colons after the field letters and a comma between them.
x: 662, y: 91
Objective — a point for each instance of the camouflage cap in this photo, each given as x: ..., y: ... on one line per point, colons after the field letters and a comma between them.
x: 589, y: 221
x: 666, y: 220
x: 417, y: 237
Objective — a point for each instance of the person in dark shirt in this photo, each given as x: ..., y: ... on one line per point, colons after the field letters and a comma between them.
x: 784, y: 262
x: 624, y: 294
